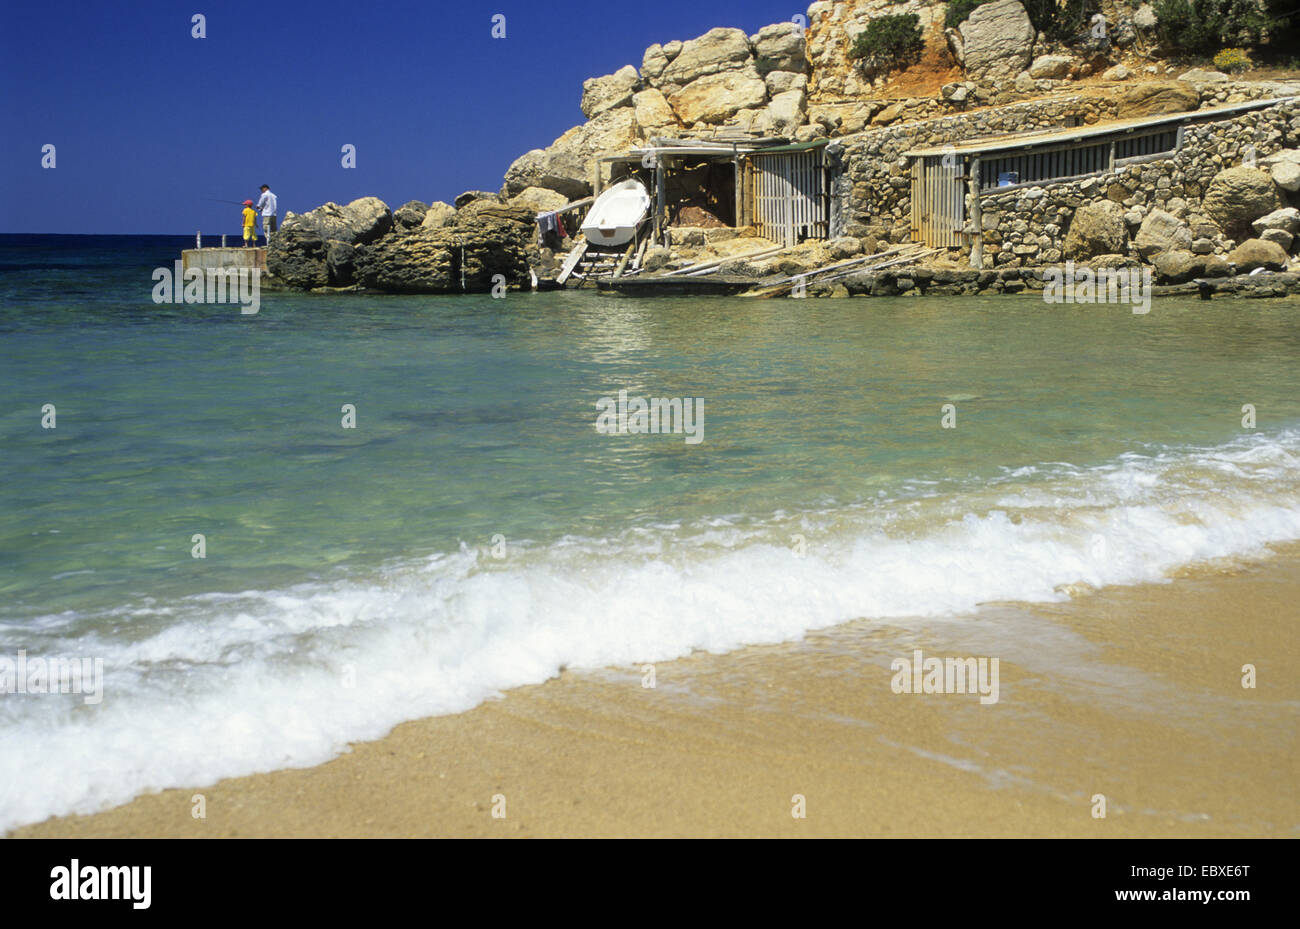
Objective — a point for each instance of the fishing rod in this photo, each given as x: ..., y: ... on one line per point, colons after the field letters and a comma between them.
x: 218, y: 200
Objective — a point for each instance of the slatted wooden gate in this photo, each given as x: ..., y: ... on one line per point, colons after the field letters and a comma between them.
x: 938, y: 201
x: 789, y: 196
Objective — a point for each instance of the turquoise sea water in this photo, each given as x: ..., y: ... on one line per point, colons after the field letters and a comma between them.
x: 475, y: 531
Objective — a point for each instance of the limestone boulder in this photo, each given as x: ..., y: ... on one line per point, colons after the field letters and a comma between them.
x: 539, y: 200
x: 778, y: 82
x: 1178, y: 266
x: 358, y: 223
x: 717, y: 97
x: 1286, y: 220
x: 653, y: 63
x: 1096, y: 229
x: 604, y: 93
x: 1284, y: 166
x: 1201, y: 76
x: 1280, y: 236
x: 559, y: 170
x: 1054, y: 67
x: 566, y: 165
x: 1162, y: 232
x: 410, y: 214
x: 997, y: 40
x: 715, y: 52
x: 470, y: 196
x: 438, y: 215
x: 1153, y: 98
x: 787, y: 112
x: 1236, y: 197
x: 1257, y: 253
x: 651, y: 111
x: 780, y: 47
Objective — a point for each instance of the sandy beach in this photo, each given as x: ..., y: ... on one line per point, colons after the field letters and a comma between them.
x: 1132, y: 693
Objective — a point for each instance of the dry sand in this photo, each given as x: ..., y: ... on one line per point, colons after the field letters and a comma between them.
x: 1132, y: 693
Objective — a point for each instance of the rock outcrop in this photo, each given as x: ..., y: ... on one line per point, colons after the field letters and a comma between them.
x: 430, y: 249
x: 305, y: 248
x: 566, y: 165
x: 604, y: 93
x: 485, y: 239
x: 1153, y: 98
x: 715, y: 52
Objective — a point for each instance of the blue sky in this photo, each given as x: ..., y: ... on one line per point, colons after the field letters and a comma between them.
x: 146, y: 120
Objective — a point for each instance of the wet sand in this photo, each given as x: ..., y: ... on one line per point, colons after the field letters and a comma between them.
x: 1131, y: 693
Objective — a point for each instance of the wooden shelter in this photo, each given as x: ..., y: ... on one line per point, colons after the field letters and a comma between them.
x: 779, y: 189
x: 950, y: 182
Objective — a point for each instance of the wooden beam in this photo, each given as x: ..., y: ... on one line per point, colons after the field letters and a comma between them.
x: 575, y: 255
x: 575, y: 205
x: 631, y: 247
x: 707, y: 265
x: 640, y: 254
x: 842, y: 269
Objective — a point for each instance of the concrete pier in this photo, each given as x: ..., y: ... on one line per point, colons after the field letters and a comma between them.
x: 211, y: 259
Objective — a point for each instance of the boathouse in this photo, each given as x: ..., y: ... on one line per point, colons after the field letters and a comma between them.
x: 951, y: 185
x: 779, y: 189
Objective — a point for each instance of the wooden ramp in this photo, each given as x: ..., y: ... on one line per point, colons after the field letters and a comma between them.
x: 586, y: 263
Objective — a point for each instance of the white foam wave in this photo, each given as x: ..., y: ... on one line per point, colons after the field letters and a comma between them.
x: 231, y: 684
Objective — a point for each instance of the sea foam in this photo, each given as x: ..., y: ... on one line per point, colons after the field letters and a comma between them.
x: 226, y: 684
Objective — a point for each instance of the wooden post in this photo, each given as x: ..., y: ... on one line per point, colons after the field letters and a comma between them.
x: 660, y: 195
x: 976, y: 215
x: 595, y: 177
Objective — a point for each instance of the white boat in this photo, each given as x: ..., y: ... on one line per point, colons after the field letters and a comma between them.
x: 614, y: 217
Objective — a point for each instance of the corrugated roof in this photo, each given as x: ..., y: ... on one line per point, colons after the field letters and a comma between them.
x: 1023, y: 140
x: 794, y: 147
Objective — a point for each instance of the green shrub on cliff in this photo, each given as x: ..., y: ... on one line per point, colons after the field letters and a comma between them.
x: 889, y: 41
x: 1059, y: 20
x: 959, y: 10
x: 1202, y: 27
x: 1232, y: 60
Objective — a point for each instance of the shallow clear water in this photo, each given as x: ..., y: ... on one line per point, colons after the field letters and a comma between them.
x: 1092, y: 445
